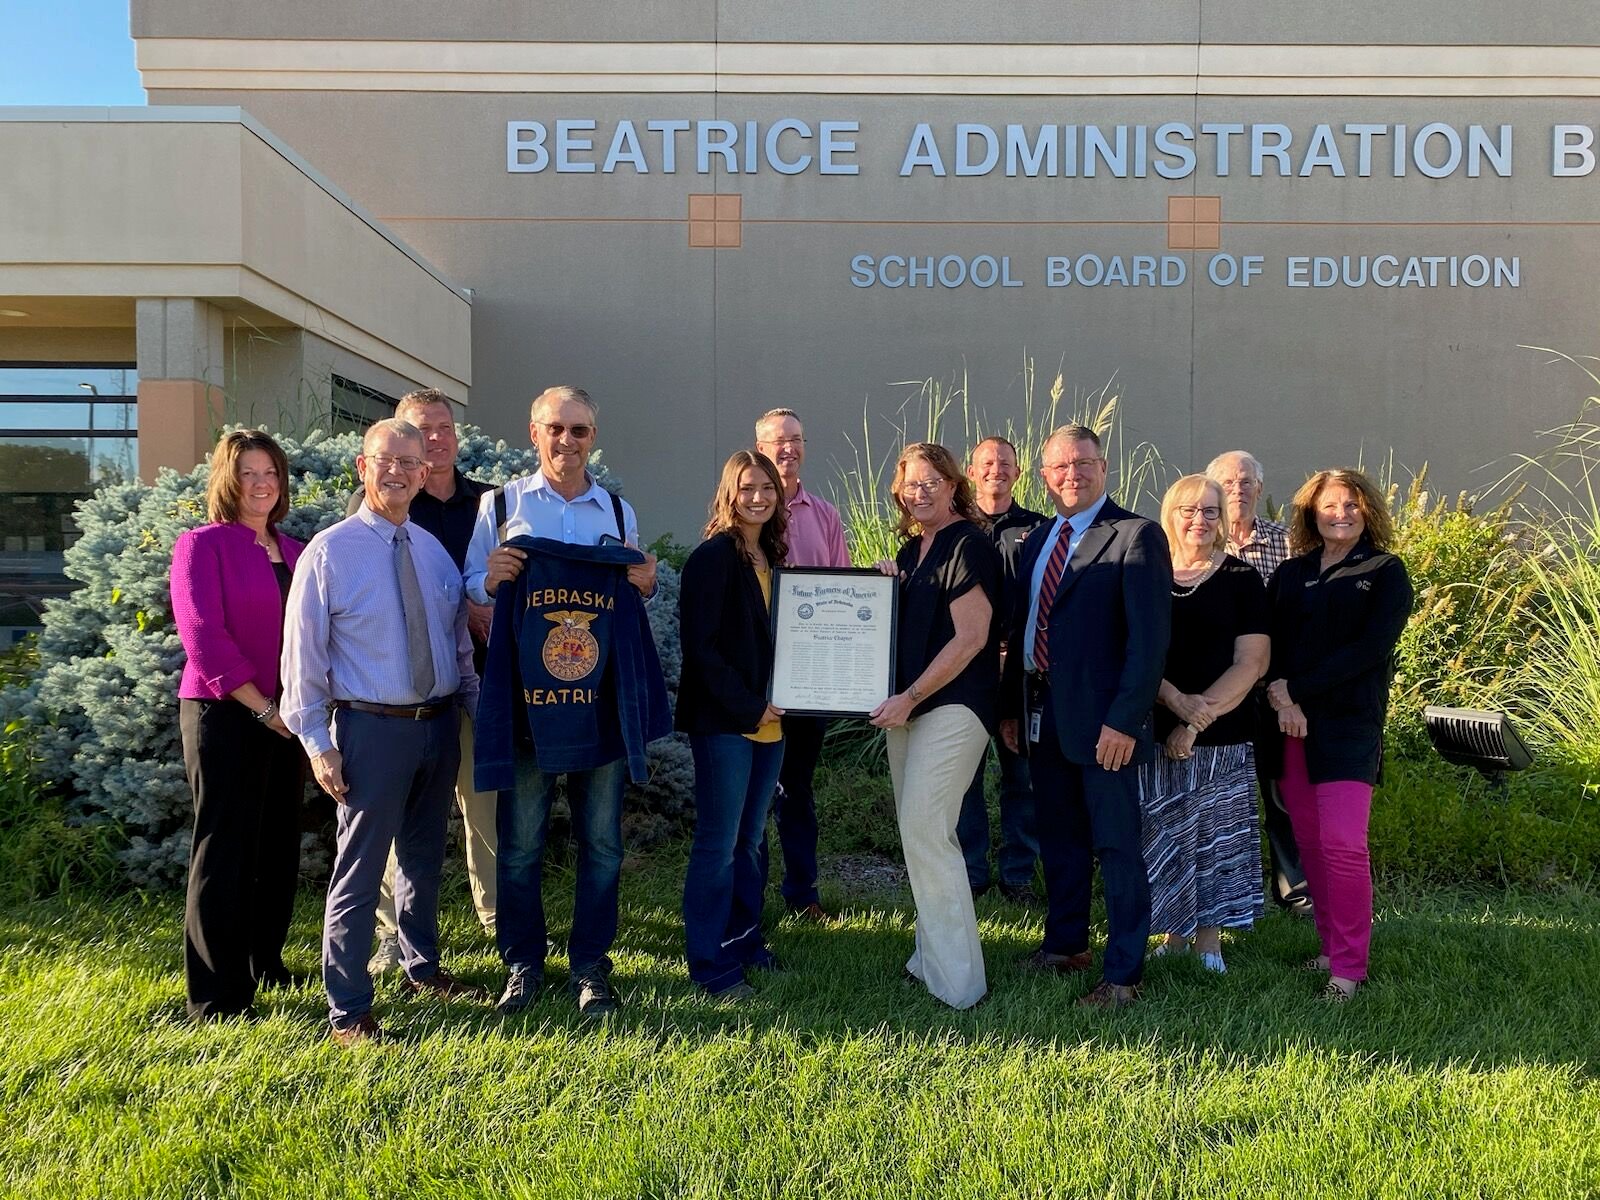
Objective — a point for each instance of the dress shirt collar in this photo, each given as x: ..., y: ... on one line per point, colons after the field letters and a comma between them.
x: 1257, y: 533
x: 1082, y: 521
x: 595, y: 493
x: 800, y: 497
x: 382, y: 526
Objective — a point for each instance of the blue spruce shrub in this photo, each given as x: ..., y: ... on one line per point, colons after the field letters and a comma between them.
x: 104, y: 702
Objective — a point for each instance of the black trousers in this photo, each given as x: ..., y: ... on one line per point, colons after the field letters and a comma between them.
x: 794, y: 808
x: 244, y: 860
x: 1288, y: 882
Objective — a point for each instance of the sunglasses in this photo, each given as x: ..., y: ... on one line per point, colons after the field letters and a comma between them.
x: 556, y: 429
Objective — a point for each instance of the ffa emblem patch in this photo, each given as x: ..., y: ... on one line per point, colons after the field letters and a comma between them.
x: 570, y: 651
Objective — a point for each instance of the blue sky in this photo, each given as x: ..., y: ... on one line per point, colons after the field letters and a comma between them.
x: 67, y: 52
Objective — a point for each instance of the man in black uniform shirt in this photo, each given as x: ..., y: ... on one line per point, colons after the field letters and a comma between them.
x: 994, y: 471
x: 447, y: 507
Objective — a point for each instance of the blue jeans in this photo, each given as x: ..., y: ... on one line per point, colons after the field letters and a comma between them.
x: 722, y: 892
x: 1019, y: 836
x: 523, y: 821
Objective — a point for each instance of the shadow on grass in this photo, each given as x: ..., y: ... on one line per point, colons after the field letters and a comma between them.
x: 1461, y: 978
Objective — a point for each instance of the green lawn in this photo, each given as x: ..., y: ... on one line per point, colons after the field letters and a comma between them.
x: 1467, y: 1068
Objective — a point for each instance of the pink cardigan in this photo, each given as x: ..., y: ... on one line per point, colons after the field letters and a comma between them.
x: 228, y: 609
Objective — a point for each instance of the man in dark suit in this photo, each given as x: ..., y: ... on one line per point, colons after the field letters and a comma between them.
x: 1087, y: 645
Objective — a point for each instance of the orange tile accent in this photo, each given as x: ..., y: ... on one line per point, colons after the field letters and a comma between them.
x: 1194, y: 222
x: 716, y: 222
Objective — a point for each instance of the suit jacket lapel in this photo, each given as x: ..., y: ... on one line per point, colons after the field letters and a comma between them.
x: 752, y: 587
x: 1096, y: 540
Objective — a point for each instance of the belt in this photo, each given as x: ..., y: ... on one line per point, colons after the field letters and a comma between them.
x: 403, y: 712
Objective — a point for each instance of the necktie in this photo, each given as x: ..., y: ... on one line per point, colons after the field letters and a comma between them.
x: 418, y: 649
x: 1047, y: 597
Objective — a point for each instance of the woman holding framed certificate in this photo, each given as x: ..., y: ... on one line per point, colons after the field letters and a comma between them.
x: 939, y: 721
x: 734, y: 733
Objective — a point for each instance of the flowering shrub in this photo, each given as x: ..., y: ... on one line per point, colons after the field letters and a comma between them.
x: 103, y: 705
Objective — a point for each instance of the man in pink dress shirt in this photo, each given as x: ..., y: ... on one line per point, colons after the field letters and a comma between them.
x: 816, y: 539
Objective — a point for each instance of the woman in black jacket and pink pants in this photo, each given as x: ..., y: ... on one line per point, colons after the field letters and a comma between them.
x: 1338, y: 609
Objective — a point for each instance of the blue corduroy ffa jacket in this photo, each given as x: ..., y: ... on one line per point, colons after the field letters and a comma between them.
x: 572, y: 635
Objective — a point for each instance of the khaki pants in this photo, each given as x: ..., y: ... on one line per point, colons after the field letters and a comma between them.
x: 931, y: 760
x: 478, y: 816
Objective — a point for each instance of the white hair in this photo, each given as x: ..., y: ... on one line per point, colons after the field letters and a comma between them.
x: 1215, y: 466
x: 392, y: 425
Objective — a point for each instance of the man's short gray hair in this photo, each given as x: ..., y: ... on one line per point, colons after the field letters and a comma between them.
x: 774, y: 414
x: 412, y: 403
x: 1215, y: 466
x: 560, y: 394
x: 392, y: 425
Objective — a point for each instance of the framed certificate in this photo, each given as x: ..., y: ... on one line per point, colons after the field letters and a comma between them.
x: 833, y: 640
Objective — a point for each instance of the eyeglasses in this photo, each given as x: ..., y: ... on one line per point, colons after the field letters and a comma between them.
x: 1081, y: 465
x: 788, y: 442
x: 406, y: 462
x: 922, y: 487
x: 1210, y: 511
x: 556, y: 429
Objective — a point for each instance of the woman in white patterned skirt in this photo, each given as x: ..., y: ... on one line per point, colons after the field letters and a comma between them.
x: 1202, y: 845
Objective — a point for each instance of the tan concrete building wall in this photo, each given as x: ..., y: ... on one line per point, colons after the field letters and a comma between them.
x: 595, y: 278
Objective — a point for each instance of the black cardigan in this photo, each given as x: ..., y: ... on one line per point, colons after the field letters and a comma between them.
x: 727, y: 641
x: 1333, y: 640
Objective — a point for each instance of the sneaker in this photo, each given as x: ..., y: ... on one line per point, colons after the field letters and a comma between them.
x: 444, y: 986
x: 364, y: 1029
x: 595, y: 995
x: 1109, y: 996
x: 1213, y: 962
x: 523, y: 986
x: 739, y: 991
x: 386, y: 957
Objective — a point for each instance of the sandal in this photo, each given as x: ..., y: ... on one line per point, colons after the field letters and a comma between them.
x: 1332, y: 993
x: 1314, y: 963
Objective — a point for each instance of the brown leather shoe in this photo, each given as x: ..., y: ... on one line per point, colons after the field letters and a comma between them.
x: 364, y: 1030
x: 1110, y: 995
x: 1059, y: 964
x: 445, y: 986
x: 816, y: 913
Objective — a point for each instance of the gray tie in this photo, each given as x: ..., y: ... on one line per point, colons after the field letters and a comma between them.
x: 418, y: 649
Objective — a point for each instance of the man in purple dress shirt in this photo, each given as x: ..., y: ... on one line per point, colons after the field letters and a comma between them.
x: 377, y: 664
x: 816, y: 539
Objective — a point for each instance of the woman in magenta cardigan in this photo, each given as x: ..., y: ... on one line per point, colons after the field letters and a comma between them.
x: 229, y: 583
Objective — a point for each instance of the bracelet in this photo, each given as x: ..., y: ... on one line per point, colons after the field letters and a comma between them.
x: 1189, y: 725
x: 266, y: 713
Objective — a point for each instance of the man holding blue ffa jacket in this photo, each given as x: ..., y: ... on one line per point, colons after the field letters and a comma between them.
x: 578, y: 677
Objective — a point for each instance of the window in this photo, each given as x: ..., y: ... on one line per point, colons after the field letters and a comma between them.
x: 355, y: 406
x: 65, y: 429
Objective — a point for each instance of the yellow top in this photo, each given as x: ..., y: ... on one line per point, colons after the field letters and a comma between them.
x: 772, y: 731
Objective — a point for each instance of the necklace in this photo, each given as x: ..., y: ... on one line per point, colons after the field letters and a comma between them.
x: 1182, y: 590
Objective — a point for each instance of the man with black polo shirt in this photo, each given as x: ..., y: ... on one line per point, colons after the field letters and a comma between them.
x: 447, y: 507
x: 994, y: 471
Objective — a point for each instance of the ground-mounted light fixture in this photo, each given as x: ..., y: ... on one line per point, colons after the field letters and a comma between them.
x: 1476, y: 738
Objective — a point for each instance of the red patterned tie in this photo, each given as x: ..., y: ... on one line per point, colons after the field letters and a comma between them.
x: 1047, y: 597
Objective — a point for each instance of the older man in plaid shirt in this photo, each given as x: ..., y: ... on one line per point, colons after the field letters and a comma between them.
x: 1263, y: 544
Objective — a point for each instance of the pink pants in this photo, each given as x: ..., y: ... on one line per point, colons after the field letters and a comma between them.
x: 1330, y: 827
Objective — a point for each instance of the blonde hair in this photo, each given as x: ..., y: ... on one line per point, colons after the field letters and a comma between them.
x: 942, y: 461
x: 1184, y: 491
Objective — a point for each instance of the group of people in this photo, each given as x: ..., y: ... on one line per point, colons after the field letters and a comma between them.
x: 1138, y: 681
